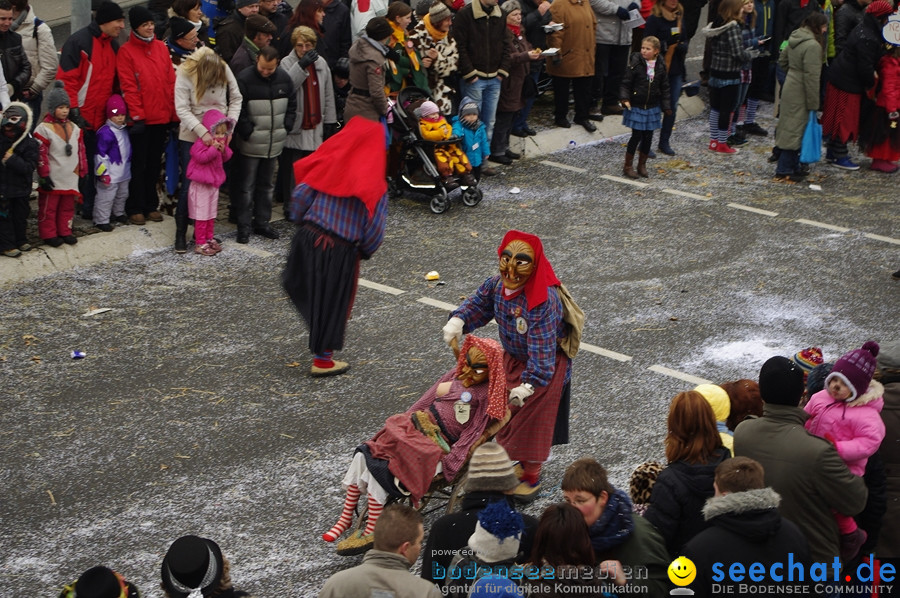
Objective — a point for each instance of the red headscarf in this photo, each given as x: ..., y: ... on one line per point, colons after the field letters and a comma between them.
x: 497, y: 394
x: 349, y: 164
x: 542, y: 277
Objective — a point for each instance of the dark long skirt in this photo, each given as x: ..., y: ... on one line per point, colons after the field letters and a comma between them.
x: 321, y: 277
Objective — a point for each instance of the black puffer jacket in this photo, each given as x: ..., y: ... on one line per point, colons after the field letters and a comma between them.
x: 853, y: 70
x: 677, y: 500
x: 637, y: 87
x: 744, y: 527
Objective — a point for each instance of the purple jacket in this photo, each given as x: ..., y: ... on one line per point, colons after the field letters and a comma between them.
x: 207, y: 163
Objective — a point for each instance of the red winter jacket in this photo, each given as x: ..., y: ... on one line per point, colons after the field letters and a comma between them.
x: 87, y: 68
x: 147, y: 79
x: 889, y: 78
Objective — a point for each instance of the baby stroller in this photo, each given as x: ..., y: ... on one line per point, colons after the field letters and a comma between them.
x: 417, y: 170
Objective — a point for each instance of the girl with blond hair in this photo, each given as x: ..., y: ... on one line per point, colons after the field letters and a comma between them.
x: 203, y: 82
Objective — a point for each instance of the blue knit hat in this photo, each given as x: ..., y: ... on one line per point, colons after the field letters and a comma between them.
x: 497, y: 533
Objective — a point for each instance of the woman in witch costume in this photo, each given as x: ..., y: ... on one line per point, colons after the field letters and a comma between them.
x: 437, y: 434
x: 341, y: 220
x: 540, y: 327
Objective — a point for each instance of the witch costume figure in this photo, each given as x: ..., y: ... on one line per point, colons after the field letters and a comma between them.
x: 341, y: 218
x: 540, y: 328
x: 435, y: 435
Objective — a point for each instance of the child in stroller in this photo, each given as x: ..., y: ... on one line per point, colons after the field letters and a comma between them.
x: 449, y: 157
x: 426, y: 156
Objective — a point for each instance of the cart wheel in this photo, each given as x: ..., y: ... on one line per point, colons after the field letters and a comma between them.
x: 440, y: 203
x: 472, y: 196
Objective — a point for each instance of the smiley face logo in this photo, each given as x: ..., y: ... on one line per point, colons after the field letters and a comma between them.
x: 682, y: 571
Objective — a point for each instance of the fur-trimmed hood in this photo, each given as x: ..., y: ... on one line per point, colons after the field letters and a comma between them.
x: 741, y: 502
x: 752, y: 515
x: 29, y: 118
x: 872, y: 395
x: 711, y: 31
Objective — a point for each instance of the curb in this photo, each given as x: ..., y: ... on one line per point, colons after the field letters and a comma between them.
x: 127, y: 241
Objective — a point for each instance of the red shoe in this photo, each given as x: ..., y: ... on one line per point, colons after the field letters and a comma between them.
x: 713, y: 144
x: 724, y: 148
x: 884, y: 166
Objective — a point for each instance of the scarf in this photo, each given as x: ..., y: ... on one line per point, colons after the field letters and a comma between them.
x: 359, y: 143
x: 497, y: 393
x: 436, y: 34
x: 17, y: 22
x: 400, y: 38
x: 312, y: 108
x: 615, y: 523
x: 516, y: 29
x: 651, y: 69
x: 543, y: 275
x: 144, y: 39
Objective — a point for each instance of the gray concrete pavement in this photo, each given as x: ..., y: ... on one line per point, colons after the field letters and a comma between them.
x: 193, y: 411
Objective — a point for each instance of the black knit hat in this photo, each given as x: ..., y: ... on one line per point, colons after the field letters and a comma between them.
x: 138, y: 15
x: 109, y: 11
x: 101, y: 582
x: 179, y: 27
x: 378, y: 28
x: 781, y: 382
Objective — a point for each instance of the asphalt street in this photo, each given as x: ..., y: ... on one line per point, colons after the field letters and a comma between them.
x: 192, y: 411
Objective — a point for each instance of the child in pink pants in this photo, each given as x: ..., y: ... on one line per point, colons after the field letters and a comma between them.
x: 206, y: 171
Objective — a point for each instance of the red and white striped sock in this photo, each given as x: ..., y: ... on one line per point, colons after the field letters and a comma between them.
x: 346, y: 518
x: 375, y: 508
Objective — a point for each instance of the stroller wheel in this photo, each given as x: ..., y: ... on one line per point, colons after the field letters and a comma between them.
x: 472, y: 196
x: 440, y: 203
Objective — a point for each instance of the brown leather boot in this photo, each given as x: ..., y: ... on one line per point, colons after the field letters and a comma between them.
x: 642, y: 165
x: 628, y: 170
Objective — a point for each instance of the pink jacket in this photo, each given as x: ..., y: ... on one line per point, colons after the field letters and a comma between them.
x: 855, y: 427
x: 207, y: 164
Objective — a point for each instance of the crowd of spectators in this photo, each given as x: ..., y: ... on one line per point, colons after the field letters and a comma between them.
x: 331, y: 60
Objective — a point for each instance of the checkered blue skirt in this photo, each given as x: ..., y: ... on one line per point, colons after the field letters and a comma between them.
x: 642, y: 119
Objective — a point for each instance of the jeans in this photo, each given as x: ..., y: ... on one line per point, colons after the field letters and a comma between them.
x: 485, y: 93
x: 255, y: 181
x: 521, y: 120
x: 675, y: 82
x: 788, y: 162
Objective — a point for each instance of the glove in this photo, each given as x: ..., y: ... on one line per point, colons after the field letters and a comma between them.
x: 453, y: 329
x: 634, y: 6
x: 518, y: 395
x: 622, y: 14
x: 75, y: 117
x: 329, y: 129
x: 245, y: 129
x: 307, y: 59
x: 139, y: 127
x: 45, y: 183
x: 105, y: 179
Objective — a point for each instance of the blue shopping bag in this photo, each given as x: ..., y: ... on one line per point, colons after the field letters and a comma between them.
x: 811, y: 148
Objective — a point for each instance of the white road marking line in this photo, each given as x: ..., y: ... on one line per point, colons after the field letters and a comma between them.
x: 619, y: 179
x: 436, y: 303
x: 253, y: 250
x: 686, y: 194
x: 880, y: 238
x: 380, y: 287
x: 659, y: 369
x: 563, y: 166
x: 738, y: 206
x: 605, y: 352
x: 839, y: 229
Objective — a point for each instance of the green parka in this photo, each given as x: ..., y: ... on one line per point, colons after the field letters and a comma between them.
x: 802, y: 60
